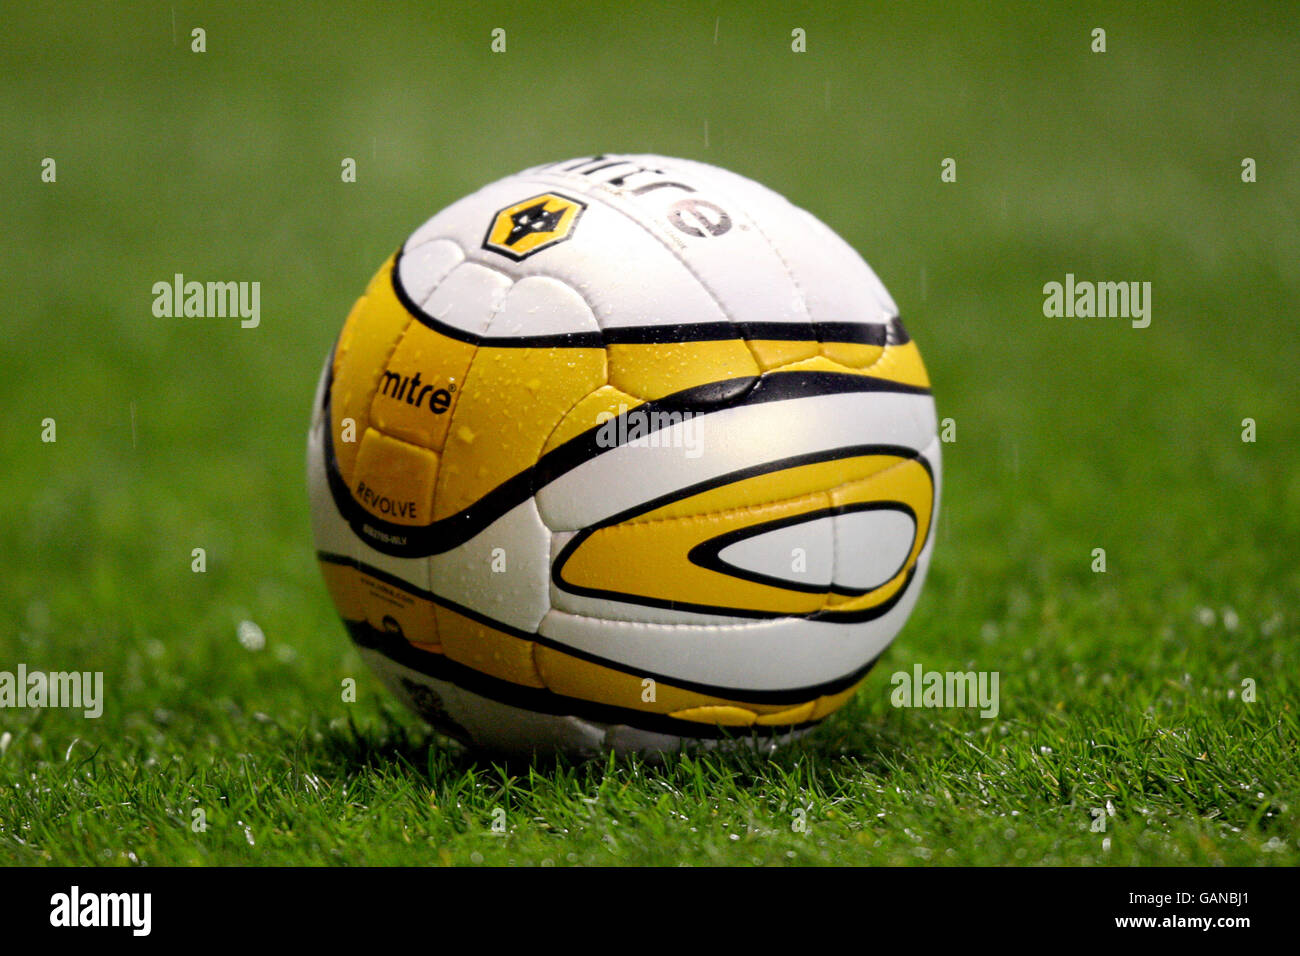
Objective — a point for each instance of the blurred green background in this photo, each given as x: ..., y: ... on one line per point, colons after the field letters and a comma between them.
x: 1072, y: 434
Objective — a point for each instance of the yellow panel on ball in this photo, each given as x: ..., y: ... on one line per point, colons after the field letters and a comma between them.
x: 600, y: 406
x: 373, y: 327
x: 655, y: 370
x: 487, y: 649
x: 417, y: 392
x: 512, y: 400
x: 395, y: 479
x: 359, y: 596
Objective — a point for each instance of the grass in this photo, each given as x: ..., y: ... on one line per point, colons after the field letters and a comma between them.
x: 1121, y: 691
x: 1207, y: 786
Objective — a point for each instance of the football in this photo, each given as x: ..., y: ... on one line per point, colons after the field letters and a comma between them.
x: 623, y: 452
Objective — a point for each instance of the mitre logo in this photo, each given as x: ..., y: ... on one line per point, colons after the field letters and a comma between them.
x: 532, y: 225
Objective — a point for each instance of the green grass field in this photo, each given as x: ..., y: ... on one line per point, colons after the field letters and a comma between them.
x: 1121, y: 690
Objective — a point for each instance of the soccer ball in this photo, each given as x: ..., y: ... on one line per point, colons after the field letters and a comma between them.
x: 623, y: 452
